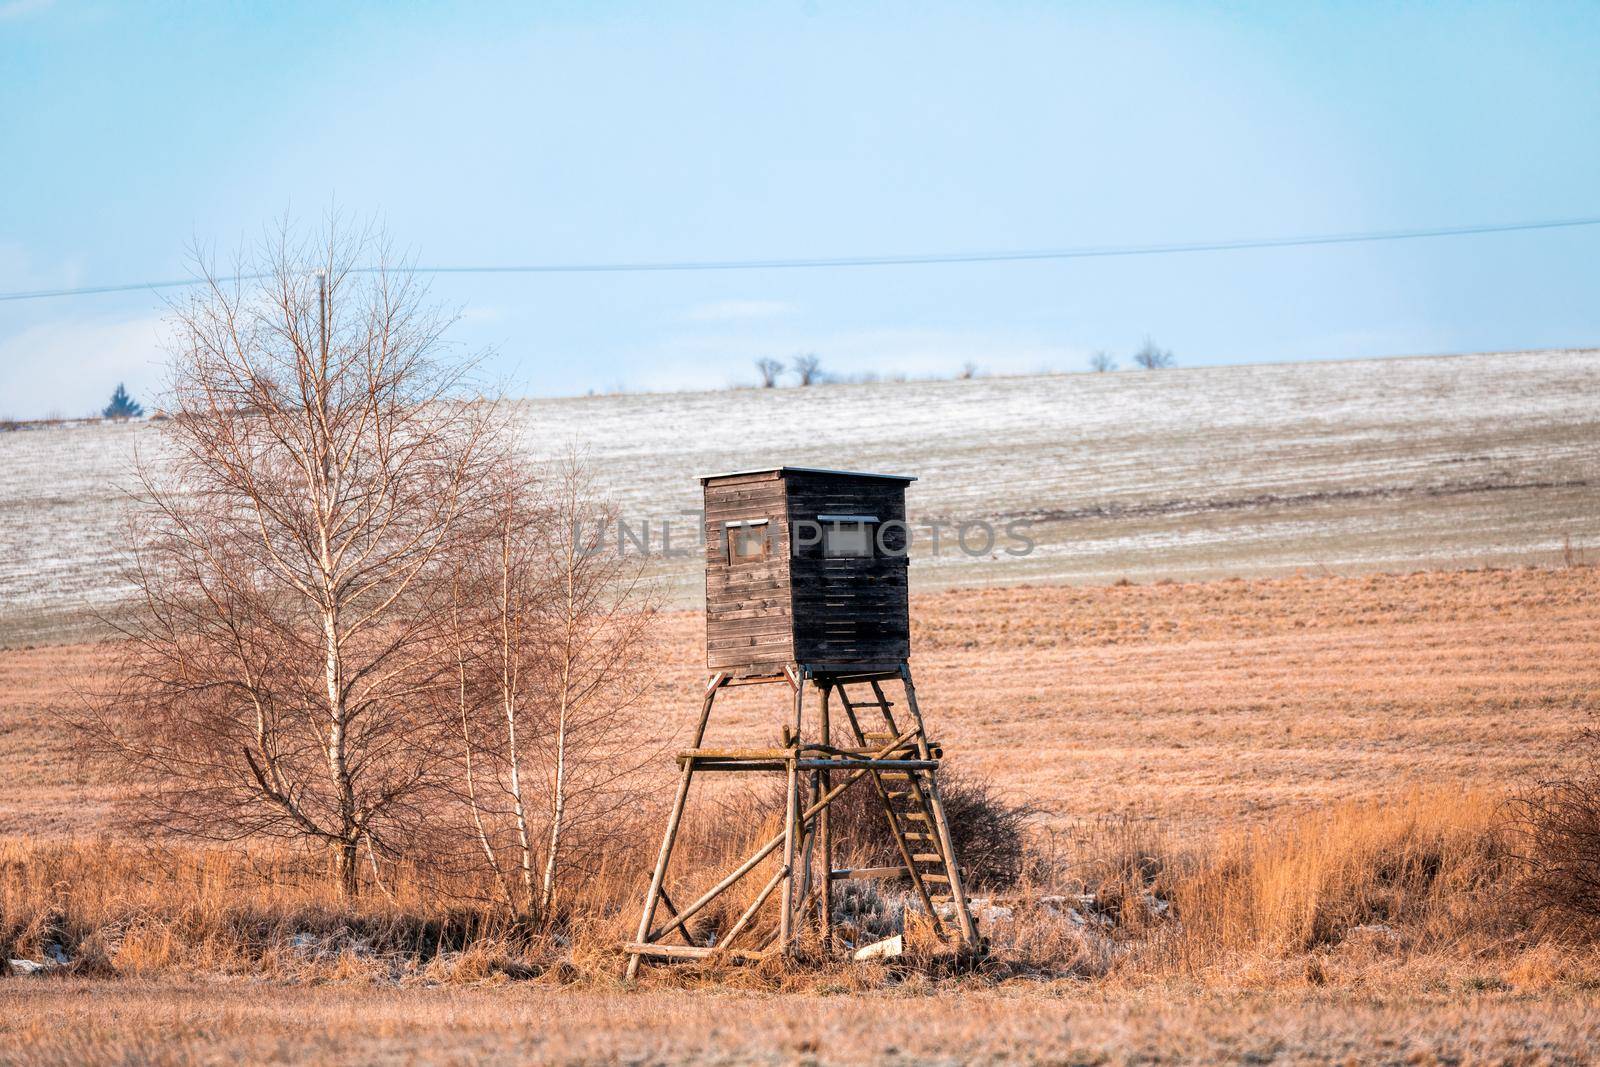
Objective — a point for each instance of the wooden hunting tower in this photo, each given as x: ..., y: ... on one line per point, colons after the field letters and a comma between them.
x: 806, y: 587
x: 805, y: 566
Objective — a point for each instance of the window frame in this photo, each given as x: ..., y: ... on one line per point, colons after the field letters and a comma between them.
x: 728, y: 537
x: 867, y: 524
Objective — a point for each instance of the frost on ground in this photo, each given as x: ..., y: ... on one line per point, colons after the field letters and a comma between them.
x: 1405, y: 463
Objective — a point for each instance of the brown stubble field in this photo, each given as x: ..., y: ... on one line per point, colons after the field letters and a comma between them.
x: 1196, y: 709
x: 1193, y: 704
x: 1202, y: 704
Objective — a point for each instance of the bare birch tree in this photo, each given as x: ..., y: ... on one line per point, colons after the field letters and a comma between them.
x: 320, y: 460
x: 553, y: 654
x: 599, y: 619
x: 497, y: 644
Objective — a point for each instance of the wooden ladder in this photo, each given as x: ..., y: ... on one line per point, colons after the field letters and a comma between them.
x: 912, y: 807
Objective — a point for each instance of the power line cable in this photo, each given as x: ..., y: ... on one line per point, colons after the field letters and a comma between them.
x: 913, y: 259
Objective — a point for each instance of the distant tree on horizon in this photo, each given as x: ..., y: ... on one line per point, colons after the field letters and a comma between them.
x: 122, y: 405
x: 1102, y: 361
x: 1152, y: 357
x: 807, y: 368
x: 769, y: 369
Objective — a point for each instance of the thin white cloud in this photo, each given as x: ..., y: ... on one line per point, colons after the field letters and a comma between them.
x: 70, y: 366
x: 485, y: 313
x: 738, y: 310
x: 13, y: 9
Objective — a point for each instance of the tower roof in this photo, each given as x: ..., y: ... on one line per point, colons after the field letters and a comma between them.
x: 903, y: 478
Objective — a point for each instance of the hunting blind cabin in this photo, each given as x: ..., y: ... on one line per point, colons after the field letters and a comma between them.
x: 806, y: 589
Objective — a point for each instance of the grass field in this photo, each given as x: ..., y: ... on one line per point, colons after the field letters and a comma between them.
x: 1181, y: 714
x: 1357, y: 605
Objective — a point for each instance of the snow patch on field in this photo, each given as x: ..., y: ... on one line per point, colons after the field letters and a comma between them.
x: 1181, y: 473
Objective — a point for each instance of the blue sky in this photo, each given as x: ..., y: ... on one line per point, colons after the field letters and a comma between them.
x: 587, y: 132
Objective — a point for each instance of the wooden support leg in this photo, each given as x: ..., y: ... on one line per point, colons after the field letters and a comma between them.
x: 824, y: 831
x: 717, y: 681
x: 674, y: 818
x: 654, y: 894
x: 792, y: 806
x: 791, y: 822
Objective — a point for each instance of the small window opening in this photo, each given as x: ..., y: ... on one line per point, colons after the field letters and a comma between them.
x: 848, y: 536
x: 748, y: 542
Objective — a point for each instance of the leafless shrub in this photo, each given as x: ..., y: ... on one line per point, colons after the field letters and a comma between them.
x: 1102, y: 361
x: 807, y: 367
x: 769, y: 369
x: 1152, y: 357
x: 969, y: 370
x: 986, y: 829
x: 1556, y: 837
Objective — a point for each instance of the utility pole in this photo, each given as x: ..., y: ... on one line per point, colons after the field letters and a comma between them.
x: 322, y: 315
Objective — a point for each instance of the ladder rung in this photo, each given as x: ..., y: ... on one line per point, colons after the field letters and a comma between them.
x: 927, y: 857
x: 935, y: 878
x: 913, y: 835
x: 920, y: 816
x: 896, y: 775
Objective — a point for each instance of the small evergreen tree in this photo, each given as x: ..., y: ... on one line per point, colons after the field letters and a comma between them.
x: 122, y: 405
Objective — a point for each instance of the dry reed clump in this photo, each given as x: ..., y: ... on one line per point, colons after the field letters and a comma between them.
x: 1422, y: 874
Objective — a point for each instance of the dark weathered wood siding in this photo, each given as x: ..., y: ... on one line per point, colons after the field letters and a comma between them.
x: 849, y: 611
x: 749, y: 617
x: 797, y: 606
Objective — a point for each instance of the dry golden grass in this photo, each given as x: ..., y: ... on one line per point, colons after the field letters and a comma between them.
x: 1365, y: 894
x: 1356, y: 935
